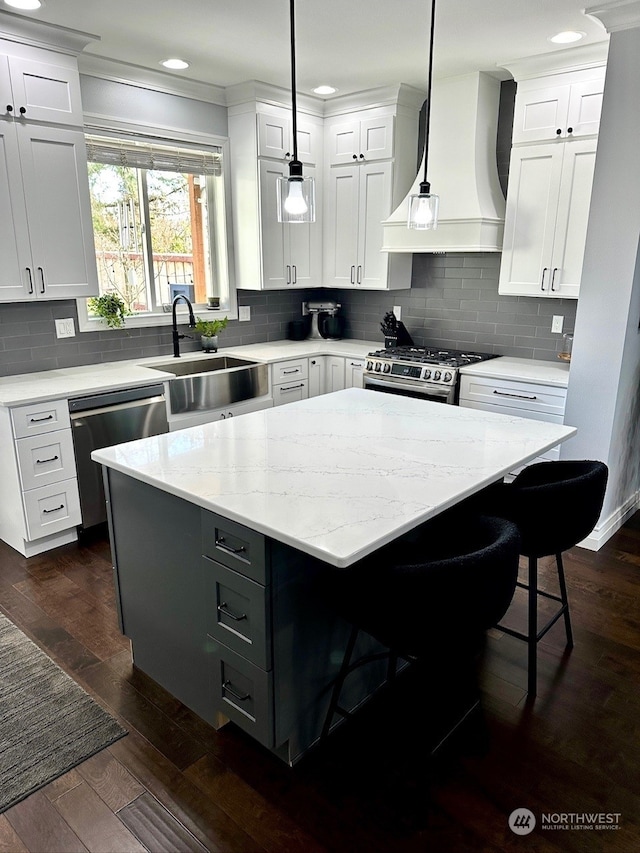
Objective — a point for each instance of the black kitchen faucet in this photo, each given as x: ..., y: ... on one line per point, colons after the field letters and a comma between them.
x: 192, y: 322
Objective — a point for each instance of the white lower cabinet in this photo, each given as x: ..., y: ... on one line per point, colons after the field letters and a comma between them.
x: 354, y: 373
x: 290, y: 381
x: 39, y: 499
x: 177, y: 422
x: 329, y: 373
x: 522, y: 399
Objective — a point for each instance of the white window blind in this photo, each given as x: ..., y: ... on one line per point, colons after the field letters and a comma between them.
x: 142, y: 154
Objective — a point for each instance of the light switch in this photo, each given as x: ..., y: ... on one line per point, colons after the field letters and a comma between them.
x: 244, y: 313
x: 397, y: 310
x: 65, y: 328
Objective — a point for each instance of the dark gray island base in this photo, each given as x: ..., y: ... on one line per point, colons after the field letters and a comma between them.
x: 234, y: 624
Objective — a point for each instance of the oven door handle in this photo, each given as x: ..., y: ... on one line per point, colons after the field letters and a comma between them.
x: 427, y: 390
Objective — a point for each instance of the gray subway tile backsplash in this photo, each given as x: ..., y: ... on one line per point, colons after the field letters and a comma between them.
x: 453, y: 302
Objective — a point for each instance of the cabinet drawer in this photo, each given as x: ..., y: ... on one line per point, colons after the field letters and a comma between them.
x: 289, y: 392
x: 45, y: 459
x: 516, y: 395
x: 235, y: 546
x: 238, y: 613
x: 51, y: 509
x: 242, y: 692
x: 37, y: 418
x: 286, y: 371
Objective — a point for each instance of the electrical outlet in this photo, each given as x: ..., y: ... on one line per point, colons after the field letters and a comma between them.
x: 65, y: 328
x: 397, y: 310
x: 244, y: 313
x: 305, y: 309
x: 557, y: 322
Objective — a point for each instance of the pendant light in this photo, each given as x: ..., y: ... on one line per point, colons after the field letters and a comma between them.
x: 423, y: 208
x: 295, y: 193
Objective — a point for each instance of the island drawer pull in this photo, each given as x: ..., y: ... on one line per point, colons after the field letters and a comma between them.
x: 39, y: 420
x: 42, y: 461
x: 517, y: 396
x: 220, y: 543
x: 291, y: 387
x: 227, y: 688
x: 222, y: 608
x: 55, y: 509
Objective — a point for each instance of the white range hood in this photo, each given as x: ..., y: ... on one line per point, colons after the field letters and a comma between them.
x: 462, y: 171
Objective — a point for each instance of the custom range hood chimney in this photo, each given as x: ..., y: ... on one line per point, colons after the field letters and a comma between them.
x: 462, y: 171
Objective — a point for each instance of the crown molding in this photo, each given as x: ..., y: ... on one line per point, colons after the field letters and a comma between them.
x: 577, y: 58
x: 616, y: 16
x: 38, y: 34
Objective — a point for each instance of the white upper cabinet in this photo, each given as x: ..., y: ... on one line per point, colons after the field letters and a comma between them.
x: 46, y: 232
x: 551, y: 171
x: 360, y: 139
x: 275, y: 139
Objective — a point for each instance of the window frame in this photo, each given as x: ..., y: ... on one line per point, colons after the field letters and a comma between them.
x: 224, y: 253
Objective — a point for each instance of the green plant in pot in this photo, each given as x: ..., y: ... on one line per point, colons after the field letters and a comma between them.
x: 208, y: 331
x: 111, y: 308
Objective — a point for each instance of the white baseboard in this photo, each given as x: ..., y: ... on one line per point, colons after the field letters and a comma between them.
x: 605, y: 528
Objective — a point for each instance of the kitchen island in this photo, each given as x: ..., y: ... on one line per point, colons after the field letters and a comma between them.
x: 224, y: 537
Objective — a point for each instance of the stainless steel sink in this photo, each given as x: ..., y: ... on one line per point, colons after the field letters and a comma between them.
x: 213, y: 383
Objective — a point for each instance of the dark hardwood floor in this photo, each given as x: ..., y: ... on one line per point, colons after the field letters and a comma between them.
x: 174, y: 784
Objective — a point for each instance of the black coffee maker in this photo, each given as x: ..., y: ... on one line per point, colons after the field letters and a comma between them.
x: 326, y: 321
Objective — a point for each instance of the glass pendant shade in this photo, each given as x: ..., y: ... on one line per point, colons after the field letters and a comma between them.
x: 296, y: 199
x: 423, y: 210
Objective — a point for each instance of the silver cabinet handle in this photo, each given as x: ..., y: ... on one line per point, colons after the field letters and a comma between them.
x: 220, y: 543
x: 295, y: 274
x: 517, y: 396
x: 226, y: 685
x: 55, y: 509
x: 288, y: 273
x: 542, y: 279
x: 553, y: 278
x: 28, y: 269
x: 359, y: 279
x: 222, y: 608
x: 41, y: 271
x: 43, y: 461
x: 353, y: 273
x: 290, y: 387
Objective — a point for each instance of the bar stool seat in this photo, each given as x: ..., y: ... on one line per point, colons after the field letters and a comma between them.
x: 435, y: 595
x: 555, y: 505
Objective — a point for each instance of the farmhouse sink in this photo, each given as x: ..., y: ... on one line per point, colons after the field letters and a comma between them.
x: 204, y: 384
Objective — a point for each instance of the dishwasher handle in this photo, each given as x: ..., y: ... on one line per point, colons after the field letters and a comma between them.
x: 80, y: 415
x: 114, y: 398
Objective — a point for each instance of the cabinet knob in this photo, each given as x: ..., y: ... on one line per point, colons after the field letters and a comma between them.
x: 569, y: 130
x: 355, y: 156
x: 287, y: 156
x: 361, y: 157
x: 558, y: 131
x: 9, y: 108
x: 23, y: 110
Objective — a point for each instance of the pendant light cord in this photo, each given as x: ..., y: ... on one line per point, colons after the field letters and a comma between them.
x: 293, y: 80
x: 429, y: 79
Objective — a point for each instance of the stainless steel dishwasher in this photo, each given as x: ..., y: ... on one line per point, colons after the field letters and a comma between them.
x: 101, y: 420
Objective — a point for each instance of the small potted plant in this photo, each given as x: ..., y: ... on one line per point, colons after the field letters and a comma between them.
x: 208, y: 331
x: 111, y: 308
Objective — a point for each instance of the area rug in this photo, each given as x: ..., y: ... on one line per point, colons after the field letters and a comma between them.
x: 48, y: 723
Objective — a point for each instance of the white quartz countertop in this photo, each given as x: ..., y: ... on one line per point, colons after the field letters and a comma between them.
x: 340, y: 475
x: 94, y: 378
x: 523, y: 370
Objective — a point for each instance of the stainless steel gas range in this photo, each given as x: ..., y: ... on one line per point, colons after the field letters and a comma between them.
x: 425, y: 372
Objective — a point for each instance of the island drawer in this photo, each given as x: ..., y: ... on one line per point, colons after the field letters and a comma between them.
x: 238, y: 613
x: 37, y: 418
x: 235, y: 546
x: 243, y: 692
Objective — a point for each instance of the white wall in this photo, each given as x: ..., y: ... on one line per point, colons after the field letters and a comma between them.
x: 604, y: 386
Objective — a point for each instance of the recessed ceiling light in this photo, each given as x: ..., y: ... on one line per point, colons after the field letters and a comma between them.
x: 567, y: 37
x: 324, y: 90
x: 175, y: 64
x: 24, y: 4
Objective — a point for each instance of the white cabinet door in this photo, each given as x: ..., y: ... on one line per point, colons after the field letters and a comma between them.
x: 341, y: 226
x: 353, y: 373
x: 274, y: 240
x: 17, y: 275
x: 343, y: 142
x: 553, y: 112
x: 334, y: 374
x: 360, y: 139
x: 317, y: 369
x: 54, y: 170
x: 585, y: 107
x: 532, y: 203
x: 374, y: 206
x: 546, y: 221
x: 274, y: 136
x: 44, y: 91
x: 304, y: 247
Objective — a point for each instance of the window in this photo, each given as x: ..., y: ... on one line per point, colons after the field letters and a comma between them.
x: 159, y: 222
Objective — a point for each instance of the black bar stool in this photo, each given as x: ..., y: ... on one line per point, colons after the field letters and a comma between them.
x: 459, y: 571
x: 555, y: 505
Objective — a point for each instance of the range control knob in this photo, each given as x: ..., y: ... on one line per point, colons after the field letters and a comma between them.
x: 377, y: 367
x: 369, y: 365
x: 448, y: 377
x: 437, y: 375
x: 427, y: 374
x: 387, y: 367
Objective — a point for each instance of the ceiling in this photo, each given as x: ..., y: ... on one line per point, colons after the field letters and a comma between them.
x: 351, y: 44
